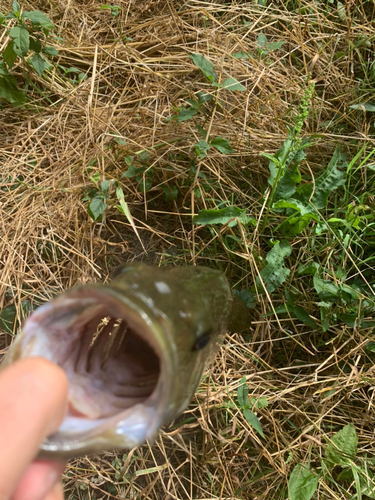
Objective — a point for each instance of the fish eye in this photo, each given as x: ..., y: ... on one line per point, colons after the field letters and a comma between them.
x: 203, y: 340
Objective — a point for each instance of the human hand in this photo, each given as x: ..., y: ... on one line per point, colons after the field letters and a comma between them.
x: 33, y: 397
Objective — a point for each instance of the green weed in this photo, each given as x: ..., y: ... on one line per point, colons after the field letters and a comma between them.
x: 29, y: 34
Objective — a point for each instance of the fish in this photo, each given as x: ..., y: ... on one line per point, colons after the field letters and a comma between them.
x: 134, y: 351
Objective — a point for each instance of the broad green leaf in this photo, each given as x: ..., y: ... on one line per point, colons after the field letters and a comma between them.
x: 21, y: 39
x: 242, y: 393
x: 16, y: 7
x: 10, y: 92
x: 205, y: 66
x: 302, y: 483
x: 145, y: 185
x: 202, y: 131
x: 9, y: 56
x: 201, y: 148
x: 35, y: 45
x: 186, y: 114
x: 259, y: 402
x: 247, y: 297
x: 226, y: 215
x: 341, y: 11
x: 96, y: 207
x: 230, y: 84
x: 50, y: 51
x: 343, y: 448
x: 39, y: 64
x: 303, y: 316
x: 325, y: 314
x: 8, y: 318
x: 275, y: 272
x: 222, y: 145
x: 37, y: 17
x: 253, y: 421
x: 104, y: 186
x: 261, y: 41
x: 170, y: 192
x: 300, y: 206
x: 275, y: 45
x: 3, y: 69
x: 366, y: 106
x: 324, y: 288
x: 310, y: 268
x: 241, y: 55
x: 295, y: 225
x: 332, y: 178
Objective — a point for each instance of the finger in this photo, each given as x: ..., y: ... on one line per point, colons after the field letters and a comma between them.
x: 39, y: 479
x: 33, y: 394
x: 55, y: 494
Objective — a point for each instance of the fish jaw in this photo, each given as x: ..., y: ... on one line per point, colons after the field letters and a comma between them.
x: 118, y: 402
x: 133, y: 350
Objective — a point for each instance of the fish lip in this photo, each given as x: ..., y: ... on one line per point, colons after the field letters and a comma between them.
x: 141, y: 422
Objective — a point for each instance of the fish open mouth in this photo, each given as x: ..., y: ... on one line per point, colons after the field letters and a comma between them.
x: 109, y: 348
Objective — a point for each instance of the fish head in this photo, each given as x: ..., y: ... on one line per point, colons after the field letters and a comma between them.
x: 133, y: 351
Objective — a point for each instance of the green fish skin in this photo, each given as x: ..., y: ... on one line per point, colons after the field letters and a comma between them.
x: 134, y: 352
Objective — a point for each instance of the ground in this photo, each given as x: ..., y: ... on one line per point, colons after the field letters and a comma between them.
x: 151, y: 113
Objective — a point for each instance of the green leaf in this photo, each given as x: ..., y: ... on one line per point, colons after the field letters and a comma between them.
x: 50, y: 51
x: 332, y: 178
x: 202, y: 131
x: 35, y: 45
x: 325, y: 289
x: 343, y: 448
x: 9, y: 91
x: 241, y: 55
x: 39, y: 64
x: 253, y: 421
x: 3, y: 69
x: 96, y: 207
x: 226, y: 215
x: 300, y: 206
x: 247, y: 297
x: 16, y: 7
x: 242, y: 393
x: 222, y: 145
x: 104, y: 186
x: 145, y: 185
x: 366, y: 106
x: 9, y: 56
x: 261, y: 41
x: 295, y: 225
x: 37, y: 17
x: 309, y: 268
x: 275, y: 272
x: 259, y: 402
x: 170, y: 192
x: 302, y: 483
x: 341, y: 11
x: 275, y: 45
x: 21, y: 39
x: 201, y: 148
x: 8, y: 317
x: 230, y: 84
x: 205, y: 66
x: 186, y: 114
x: 303, y: 316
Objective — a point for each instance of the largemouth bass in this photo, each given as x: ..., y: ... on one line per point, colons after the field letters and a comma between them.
x: 134, y: 351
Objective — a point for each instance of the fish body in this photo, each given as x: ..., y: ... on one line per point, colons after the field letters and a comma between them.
x: 134, y: 351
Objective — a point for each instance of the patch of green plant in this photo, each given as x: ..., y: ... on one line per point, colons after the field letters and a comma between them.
x: 29, y: 34
x: 245, y: 406
x: 339, y: 464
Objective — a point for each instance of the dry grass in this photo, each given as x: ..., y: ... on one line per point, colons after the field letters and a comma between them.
x: 48, y: 243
